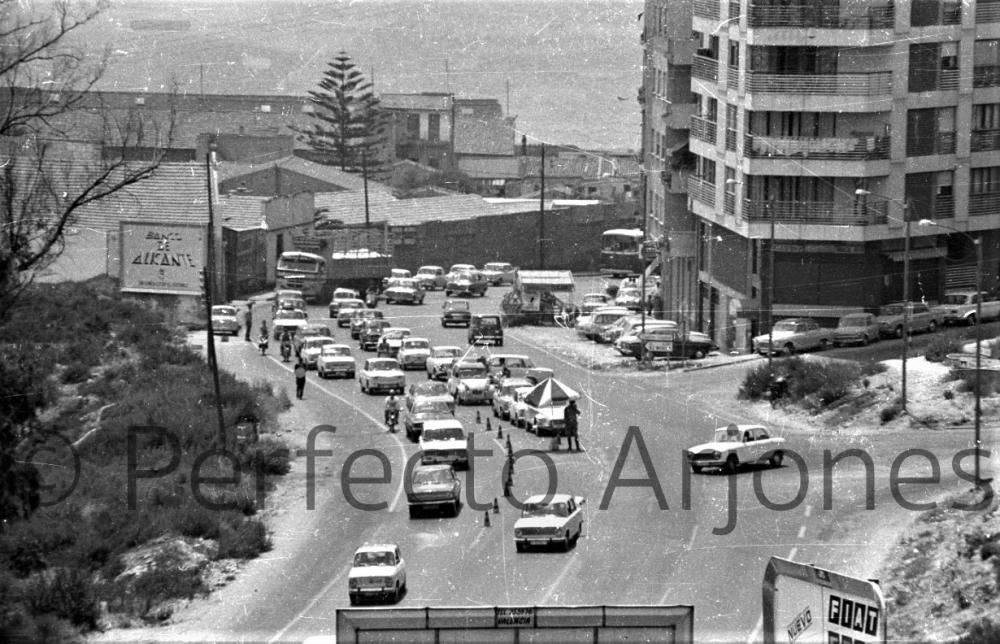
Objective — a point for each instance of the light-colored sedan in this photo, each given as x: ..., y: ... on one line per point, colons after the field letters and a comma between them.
x: 404, y: 291
x: 335, y: 360
x: 793, y: 335
x: 549, y: 519
x: 413, y: 353
x: 856, y: 328
x: 440, y: 360
x: 378, y: 571
x: 735, y: 445
x: 224, y: 320
x: 346, y: 311
x: 382, y: 374
x: 504, y: 394
x: 431, y: 277
x: 499, y: 273
x: 312, y: 348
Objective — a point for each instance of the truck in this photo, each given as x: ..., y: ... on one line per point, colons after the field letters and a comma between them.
x: 359, y: 269
x: 539, y: 297
x: 959, y: 306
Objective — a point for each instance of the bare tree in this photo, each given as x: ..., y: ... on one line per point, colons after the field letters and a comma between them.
x: 61, y: 146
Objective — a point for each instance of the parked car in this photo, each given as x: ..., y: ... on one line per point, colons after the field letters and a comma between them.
x: 404, y: 291
x: 519, y: 407
x: 444, y: 441
x: 225, y: 320
x: 856, y: 328
x: 422, y: 410
x: 340, y: 295
x: 395, y: 274
x: 667, y: 342
x: 455, y: 312
x: 346, y: 311
x: 382, y: 374
x: 413, y: 353
x: 440, y: 360
x: 921, y: 318
x: 601, y: 319
x: 312, y: 347
x: 358, y: 317
x: 485, y: 329
x: 549, y: 519
x: 624, y: 335
x: 468, y: 383
x: 434, y: 487
x: 292, y: 321
x: 592, y: 301
x: 630, y: 298
x: 515, y: 363
x: 468, y: 283
x: 391, y: 340
x: 431, y: 277
x: 735, y: 445
x: 504, y: 394
x: 335, y: 360
x: 429, y: 390
x: 377, y: 572
x: 371, y: 332
x: 499, y: 273
x: 792, y: 335
x: 959, y: 306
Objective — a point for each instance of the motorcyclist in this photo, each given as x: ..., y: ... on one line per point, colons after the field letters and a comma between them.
x: 391, y: 407
x: 286, y: 345
x: 262, y: 341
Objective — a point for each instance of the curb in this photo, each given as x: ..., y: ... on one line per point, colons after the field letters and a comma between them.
x: 722, y: 364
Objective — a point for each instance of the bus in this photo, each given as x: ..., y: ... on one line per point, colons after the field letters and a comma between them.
x: 621, y: 252
x: 301, y: 271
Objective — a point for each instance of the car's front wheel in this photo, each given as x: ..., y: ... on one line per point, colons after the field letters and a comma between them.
x: 731, y: 464
x: 776, y: 459
x: 696, y: 469
x: 932, y: 326
x: 519, y: 546
x: 567, y: 542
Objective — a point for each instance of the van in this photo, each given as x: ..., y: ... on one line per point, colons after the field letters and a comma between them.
x: 486, y: 329
x: 603, y: 318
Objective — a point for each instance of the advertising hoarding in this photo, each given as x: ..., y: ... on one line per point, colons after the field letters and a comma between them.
x: 158, y: 257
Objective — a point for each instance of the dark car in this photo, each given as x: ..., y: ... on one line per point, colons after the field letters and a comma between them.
x: 371, y: 332
x: 466, y: 283
x: 359, y: 317
x: 455, y: 312
x: 434, y: 486
x: 668, y: 342
x: 486, y: 329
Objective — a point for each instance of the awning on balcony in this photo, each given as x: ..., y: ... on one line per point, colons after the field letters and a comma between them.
x: 917, y: 253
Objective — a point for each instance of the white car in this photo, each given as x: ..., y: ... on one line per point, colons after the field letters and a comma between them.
x: 382, y: 374
x: 504, y: 393
x: 444, y: 441
x: 346, y: 311
x: 339, y: 296
x: 440, y: 360
x: 735, y: 445
x: 593, y: 301
x: 312, y: 347
x: 378, y: 571
x: 549, y: 519
x: 404, y: 290
x: 517, y: 365
x: 292, y: 321
x: 413, y: 353
x: 391, y: 340
x: 792, y: 335
x: 469, y: 382
x: 335, y: 360
x: 498, y: 273
x: 518, y: 408
x: 430, y: 277
x: 225, y: 320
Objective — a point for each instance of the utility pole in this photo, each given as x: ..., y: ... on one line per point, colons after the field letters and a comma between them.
x: 770, y: 292
x: 209, y: 272
x: 906, y: 299
x: 541, y: 215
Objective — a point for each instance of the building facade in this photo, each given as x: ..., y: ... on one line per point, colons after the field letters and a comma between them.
x: 826, y: 135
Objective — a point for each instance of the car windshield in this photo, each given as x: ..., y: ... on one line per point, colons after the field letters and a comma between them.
x: 431, y: 389
x: 425, y: 477
x: 351, y: 304
x: 427, y: 271
x: 344, y: 294
x: 786, y: 325
x: 366, y: 314
x: 397, y: 334
x: 458, y: 306
x: 224, y: 310
x: 545, y: 510
x: 728, y: 435
x: 891, y: 309
x: 384, y: 365
x: 491, y: 323
x: 495, y: 267
x: 471, y: 371
x: 957, y: 298
x: 332, y: 350
x: 290, y: 315
x: 443, y: 434
x: 594, y: 298
x: 628, y: 292
x: 446, y: 353
x: 431, y: 407
x: 853, y: 321
x: 363, y: 559
x: 319, y: 343
x: 416, y: 344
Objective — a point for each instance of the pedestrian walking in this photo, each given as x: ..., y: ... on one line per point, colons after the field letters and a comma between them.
x: 571, y: 413
x: 249, y: 321
x: 300, y: 379
x: 298, y: 343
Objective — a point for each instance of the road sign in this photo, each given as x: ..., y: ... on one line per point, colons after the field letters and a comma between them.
x: 650, y: 250
x: 803, y: 603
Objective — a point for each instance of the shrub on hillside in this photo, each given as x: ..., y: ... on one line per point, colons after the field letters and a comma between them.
x: 65, y: 593
x: 267, y: 456
x: 244, y: 540
x: 940, y: 346
x: 985, y: 629
x: 822, y: 381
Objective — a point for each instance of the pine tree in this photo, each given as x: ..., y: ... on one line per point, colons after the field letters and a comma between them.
x: 350, y: 127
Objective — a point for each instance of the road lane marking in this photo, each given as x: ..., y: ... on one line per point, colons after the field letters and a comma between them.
x: 802, y: 531
x: 809, y: 511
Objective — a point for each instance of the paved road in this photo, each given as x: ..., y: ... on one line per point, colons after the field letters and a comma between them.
x: 705, y: 541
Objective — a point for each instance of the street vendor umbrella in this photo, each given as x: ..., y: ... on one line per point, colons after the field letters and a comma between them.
x: 550, y: 392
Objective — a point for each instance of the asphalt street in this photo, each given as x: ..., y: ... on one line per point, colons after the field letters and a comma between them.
x: 653, y: 532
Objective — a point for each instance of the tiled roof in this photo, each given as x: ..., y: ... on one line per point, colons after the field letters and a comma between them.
x: 241, y: 212
x: 327, y: 173
x: 348, y: 208
x: 490, y: 168
x: 175, y: 193
x: 484, y: 136
x: 432, y: 102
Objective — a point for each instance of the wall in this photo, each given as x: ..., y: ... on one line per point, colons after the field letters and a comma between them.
x: 246, y: 261
x: 275, y: 181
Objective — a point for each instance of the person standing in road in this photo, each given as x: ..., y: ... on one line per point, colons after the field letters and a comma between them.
x: 249, y: 321
x: 298, y: 343
x: 300, y: 379
x: 571, y: 414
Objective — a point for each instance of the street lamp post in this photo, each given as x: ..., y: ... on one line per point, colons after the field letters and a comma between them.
x: 978, y: 412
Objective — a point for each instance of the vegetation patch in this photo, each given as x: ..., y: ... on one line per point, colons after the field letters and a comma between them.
x: 815, y: 384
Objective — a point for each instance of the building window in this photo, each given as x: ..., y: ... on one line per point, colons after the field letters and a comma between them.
x: 413, y: 125
x: 434, y: 127
x: 984, y: 180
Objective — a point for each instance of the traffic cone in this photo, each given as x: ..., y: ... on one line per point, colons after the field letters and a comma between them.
x: 496, y: 506
x: 510, y: 463
x: 510, y: 450
x: 486, y: 519
x: 507, y: 484
x: 499, y: 432
x: 489, y: 428
x: 479, y: 419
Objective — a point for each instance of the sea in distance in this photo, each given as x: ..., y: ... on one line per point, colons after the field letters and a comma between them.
x: 569, y: 70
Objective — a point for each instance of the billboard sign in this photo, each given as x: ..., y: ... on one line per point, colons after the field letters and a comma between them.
x: 511, y: 624
x: 804, y: 604
x: 162, y: 257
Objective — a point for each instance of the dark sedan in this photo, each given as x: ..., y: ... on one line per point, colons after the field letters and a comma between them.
x: 668, y: 343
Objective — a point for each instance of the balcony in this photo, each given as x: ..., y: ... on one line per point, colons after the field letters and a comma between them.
x: 729, y: 203
x: 701, y: 190
x: 987, y: 11
x: 927, y: 13
x: 733, y: 78
x: 987, y: 203
x: 702, y: 129
x: 821, y: 213
x: 939, y: 143
x: 986, y: 76
x: 944, y: 207
x: 985, y: 140
x: 870, y: 84
x: 859, y: 148
x: 731, y: 140
x: 821, y: 17
x: 705, y: 68
x: 710, y: 9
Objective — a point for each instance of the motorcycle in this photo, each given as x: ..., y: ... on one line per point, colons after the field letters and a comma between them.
x: 262, y: 345
x: 392, y: 419
x: 286, y: 351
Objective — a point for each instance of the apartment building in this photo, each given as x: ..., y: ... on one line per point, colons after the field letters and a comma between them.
x: 827, y: 138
